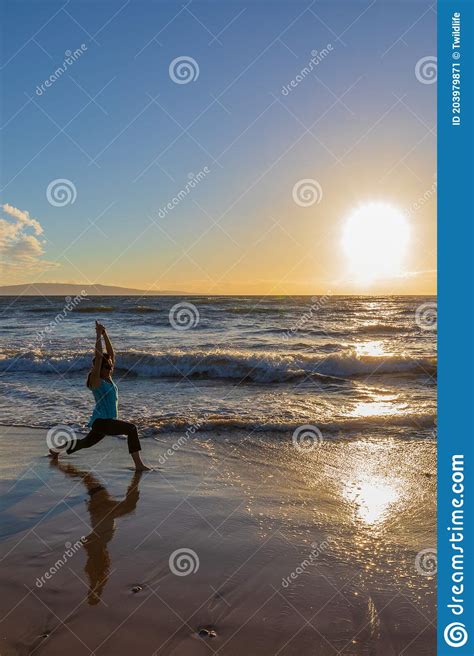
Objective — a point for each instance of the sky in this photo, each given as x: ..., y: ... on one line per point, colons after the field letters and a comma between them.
x: 214, y: 110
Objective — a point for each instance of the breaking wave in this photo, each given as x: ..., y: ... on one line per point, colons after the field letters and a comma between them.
x: 259, y: 367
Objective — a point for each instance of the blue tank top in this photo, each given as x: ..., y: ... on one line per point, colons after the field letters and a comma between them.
x: 106, y: 401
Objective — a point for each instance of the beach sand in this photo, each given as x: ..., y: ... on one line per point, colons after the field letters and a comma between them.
x: 291, y: 551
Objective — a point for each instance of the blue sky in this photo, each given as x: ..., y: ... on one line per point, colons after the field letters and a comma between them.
x: 128, y: 138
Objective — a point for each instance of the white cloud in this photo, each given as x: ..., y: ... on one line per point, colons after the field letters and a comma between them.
x: 21, y: 244
x: 23, y: 218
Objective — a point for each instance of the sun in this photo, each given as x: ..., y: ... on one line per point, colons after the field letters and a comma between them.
x: 375, y: 240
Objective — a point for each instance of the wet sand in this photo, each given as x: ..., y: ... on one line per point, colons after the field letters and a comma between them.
x: 279, y: 550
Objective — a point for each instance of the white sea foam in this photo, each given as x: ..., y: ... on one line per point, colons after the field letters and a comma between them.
x: 261, y: 367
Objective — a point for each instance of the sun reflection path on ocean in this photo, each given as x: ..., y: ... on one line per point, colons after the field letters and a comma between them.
x: 378, y: 408
x: 372, y: 348
x: 382, y: 403
x: 370, y: 487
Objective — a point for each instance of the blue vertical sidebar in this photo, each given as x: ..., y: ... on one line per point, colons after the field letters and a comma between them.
x: 455, y: 328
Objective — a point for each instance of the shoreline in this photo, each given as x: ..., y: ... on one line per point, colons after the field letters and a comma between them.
x: 343, y: 525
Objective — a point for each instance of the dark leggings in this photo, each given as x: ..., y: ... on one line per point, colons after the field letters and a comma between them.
x: 103, y: 427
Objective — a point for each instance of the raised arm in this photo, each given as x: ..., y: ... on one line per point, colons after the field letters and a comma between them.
x: 94, y: 376
x: 108, y: 345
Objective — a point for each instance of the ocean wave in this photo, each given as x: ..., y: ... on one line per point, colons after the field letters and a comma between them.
x: 330, y: 330
x: 291, y: 331
x: 141, y: 309
x: 343, y: 425
x: 257, y: 308
x: 381, y: 328
x: 92, y: 309
x: 259, y: 367
x: 192, y: 425
x: 97, y: 309
x: 340, y: 428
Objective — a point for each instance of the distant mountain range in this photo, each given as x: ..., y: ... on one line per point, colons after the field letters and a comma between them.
x: 66, y: 289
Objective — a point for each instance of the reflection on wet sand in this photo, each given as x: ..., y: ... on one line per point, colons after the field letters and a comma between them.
x: 103, y: 511
x: 348, y: 519
x: 373, y: 497
x: 371, y: 486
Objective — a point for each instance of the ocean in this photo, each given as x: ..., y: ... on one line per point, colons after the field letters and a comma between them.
x: 339, y: 366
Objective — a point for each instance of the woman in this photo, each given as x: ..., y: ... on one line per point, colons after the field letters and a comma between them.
x: 104, y: 419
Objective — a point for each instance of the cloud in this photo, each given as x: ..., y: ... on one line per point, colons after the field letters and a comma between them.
x: 21, y: 244
x: 23, y: 218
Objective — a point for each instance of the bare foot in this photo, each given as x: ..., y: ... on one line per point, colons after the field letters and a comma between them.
x: 142, y: 467
x: 139, y: 464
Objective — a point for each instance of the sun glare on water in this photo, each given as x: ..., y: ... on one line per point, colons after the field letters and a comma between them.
x: 375, y: 241
x: 374, y: 348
